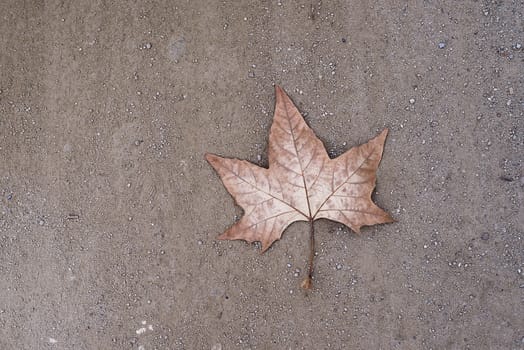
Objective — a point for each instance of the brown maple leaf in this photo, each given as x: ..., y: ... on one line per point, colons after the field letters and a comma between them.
x: 302, y: 183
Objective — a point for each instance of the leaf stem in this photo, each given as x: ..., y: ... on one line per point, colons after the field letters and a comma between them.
x: 308, y: 281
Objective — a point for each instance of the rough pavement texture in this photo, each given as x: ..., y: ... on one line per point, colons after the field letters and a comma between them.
x: 109, y: 212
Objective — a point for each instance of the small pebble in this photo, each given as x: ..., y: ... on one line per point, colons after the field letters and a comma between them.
x: 412, y: 100
x: 339, y: 267
x: 484, y: 236
x: 441, y: 45
x: 251, y: 74
x: 148, y: 46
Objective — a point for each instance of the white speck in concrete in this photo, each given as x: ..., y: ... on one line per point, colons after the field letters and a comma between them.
x: 141, y: 330
x: 52, y: 340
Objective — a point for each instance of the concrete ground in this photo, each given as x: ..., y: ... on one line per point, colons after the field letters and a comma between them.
x: 109, y: 212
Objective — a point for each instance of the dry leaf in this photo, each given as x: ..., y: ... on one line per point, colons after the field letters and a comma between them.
x: 302, y: 183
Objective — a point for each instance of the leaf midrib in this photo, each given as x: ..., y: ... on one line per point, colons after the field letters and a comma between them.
x: 299, y: 160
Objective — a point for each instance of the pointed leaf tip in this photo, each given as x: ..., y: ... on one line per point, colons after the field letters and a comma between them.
x: 383, y: 134
x: 391, y: 219
x: 280, y: 93
x: 211, y: 158
x: 214, y: 160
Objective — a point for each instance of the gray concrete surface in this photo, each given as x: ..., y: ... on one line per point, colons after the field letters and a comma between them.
x: 109, y: 213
